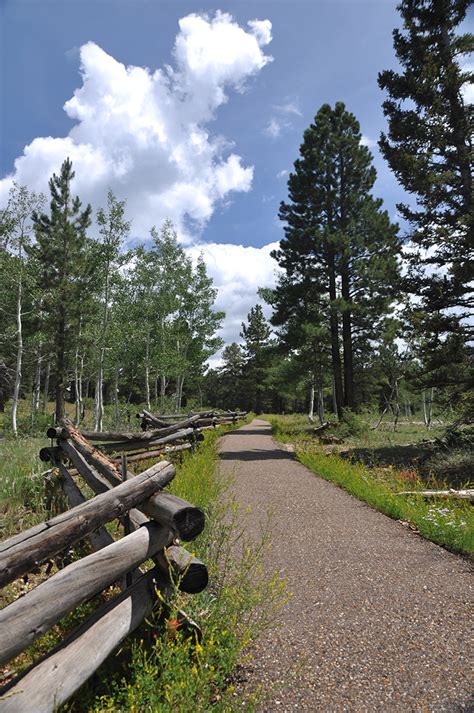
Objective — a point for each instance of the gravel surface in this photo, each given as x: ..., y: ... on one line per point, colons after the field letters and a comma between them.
x: 379, y: 619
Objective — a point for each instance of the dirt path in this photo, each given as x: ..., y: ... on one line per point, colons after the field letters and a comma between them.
x: 379, y: 619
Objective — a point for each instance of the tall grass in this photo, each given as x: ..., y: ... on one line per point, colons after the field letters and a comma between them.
x: 22, y: 487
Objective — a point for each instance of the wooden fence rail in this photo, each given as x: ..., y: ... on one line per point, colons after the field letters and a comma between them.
x: 155, y: 518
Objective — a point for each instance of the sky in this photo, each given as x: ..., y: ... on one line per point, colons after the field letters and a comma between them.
x: 192, y: 111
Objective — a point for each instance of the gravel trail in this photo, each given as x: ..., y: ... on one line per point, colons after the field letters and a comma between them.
x: 379, y: 619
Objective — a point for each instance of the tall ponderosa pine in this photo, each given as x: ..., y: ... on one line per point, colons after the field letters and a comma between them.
x: 339, y: 254
x: 65, y: 266
x: 429, y: 148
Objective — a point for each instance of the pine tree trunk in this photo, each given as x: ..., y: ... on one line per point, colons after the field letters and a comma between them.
x: 46, y: 385
x: 37, y: 384
x: 19, y: 357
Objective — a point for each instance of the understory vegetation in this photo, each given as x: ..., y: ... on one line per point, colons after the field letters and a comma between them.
x: 376, y: 466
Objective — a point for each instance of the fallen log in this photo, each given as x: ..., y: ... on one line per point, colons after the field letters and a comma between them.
x: 23, y: 552
x: 47, y: 685
x: 22, y: 622
x: 467, y: 494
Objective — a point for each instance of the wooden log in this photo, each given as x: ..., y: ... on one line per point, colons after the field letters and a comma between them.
x: 185, y: 519
x: 98, y: 539
x: 93, y: 478
x: 143, y: 444
x: 46, y: 686
x: 23, y: 552
x: 36, y: 612
x: 467, y: 494
x: 146, y: 455
x: 147, y: 416
x: 190, y: 573
x: 126, y: 436
x: 50, y: 454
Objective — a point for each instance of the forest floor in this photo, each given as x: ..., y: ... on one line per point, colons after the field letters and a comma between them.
x: 378, y: 619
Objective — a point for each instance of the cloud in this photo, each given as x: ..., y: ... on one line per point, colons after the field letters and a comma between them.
x: 237, y: 272
x: 280, y: 121
x: 274, y: 128
x: 282, y: 174
x: 145, y: 134
x: 289, y: 107
x: 365, y: 141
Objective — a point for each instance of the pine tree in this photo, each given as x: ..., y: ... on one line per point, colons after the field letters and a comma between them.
x: 256, y: 334
x: 339, y: 254
x: 429, y: 148
x: 230, y: 374
x: 66, y: 268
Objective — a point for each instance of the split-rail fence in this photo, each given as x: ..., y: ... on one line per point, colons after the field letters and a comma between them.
x: 154, y: 523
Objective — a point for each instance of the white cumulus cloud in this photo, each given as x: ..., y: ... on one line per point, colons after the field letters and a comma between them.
x: 145, y: 134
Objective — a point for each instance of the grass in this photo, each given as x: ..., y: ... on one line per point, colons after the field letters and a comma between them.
x: 159, y: 668
x: 448, y: 522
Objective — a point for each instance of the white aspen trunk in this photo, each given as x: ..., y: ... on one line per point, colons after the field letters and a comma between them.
x: 98, y: 401
x: 163, y: 385
x: 321, y: 413
x: 396, y: 409
x: 46, y: 385
x: 147, y: 372
x: 116, y: 398
x: 311, y: 402
x: 426, y: 417
x: 156, y: 389
x: 37, y: 384
x: 99, y: 385
x: 19, y: 357
x: 179, y: 391
x: 77, y: 401
x: 430, y: 407
x: 80, y: 390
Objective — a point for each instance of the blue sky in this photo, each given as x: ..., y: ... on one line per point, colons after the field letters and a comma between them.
x: 207, y: 143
